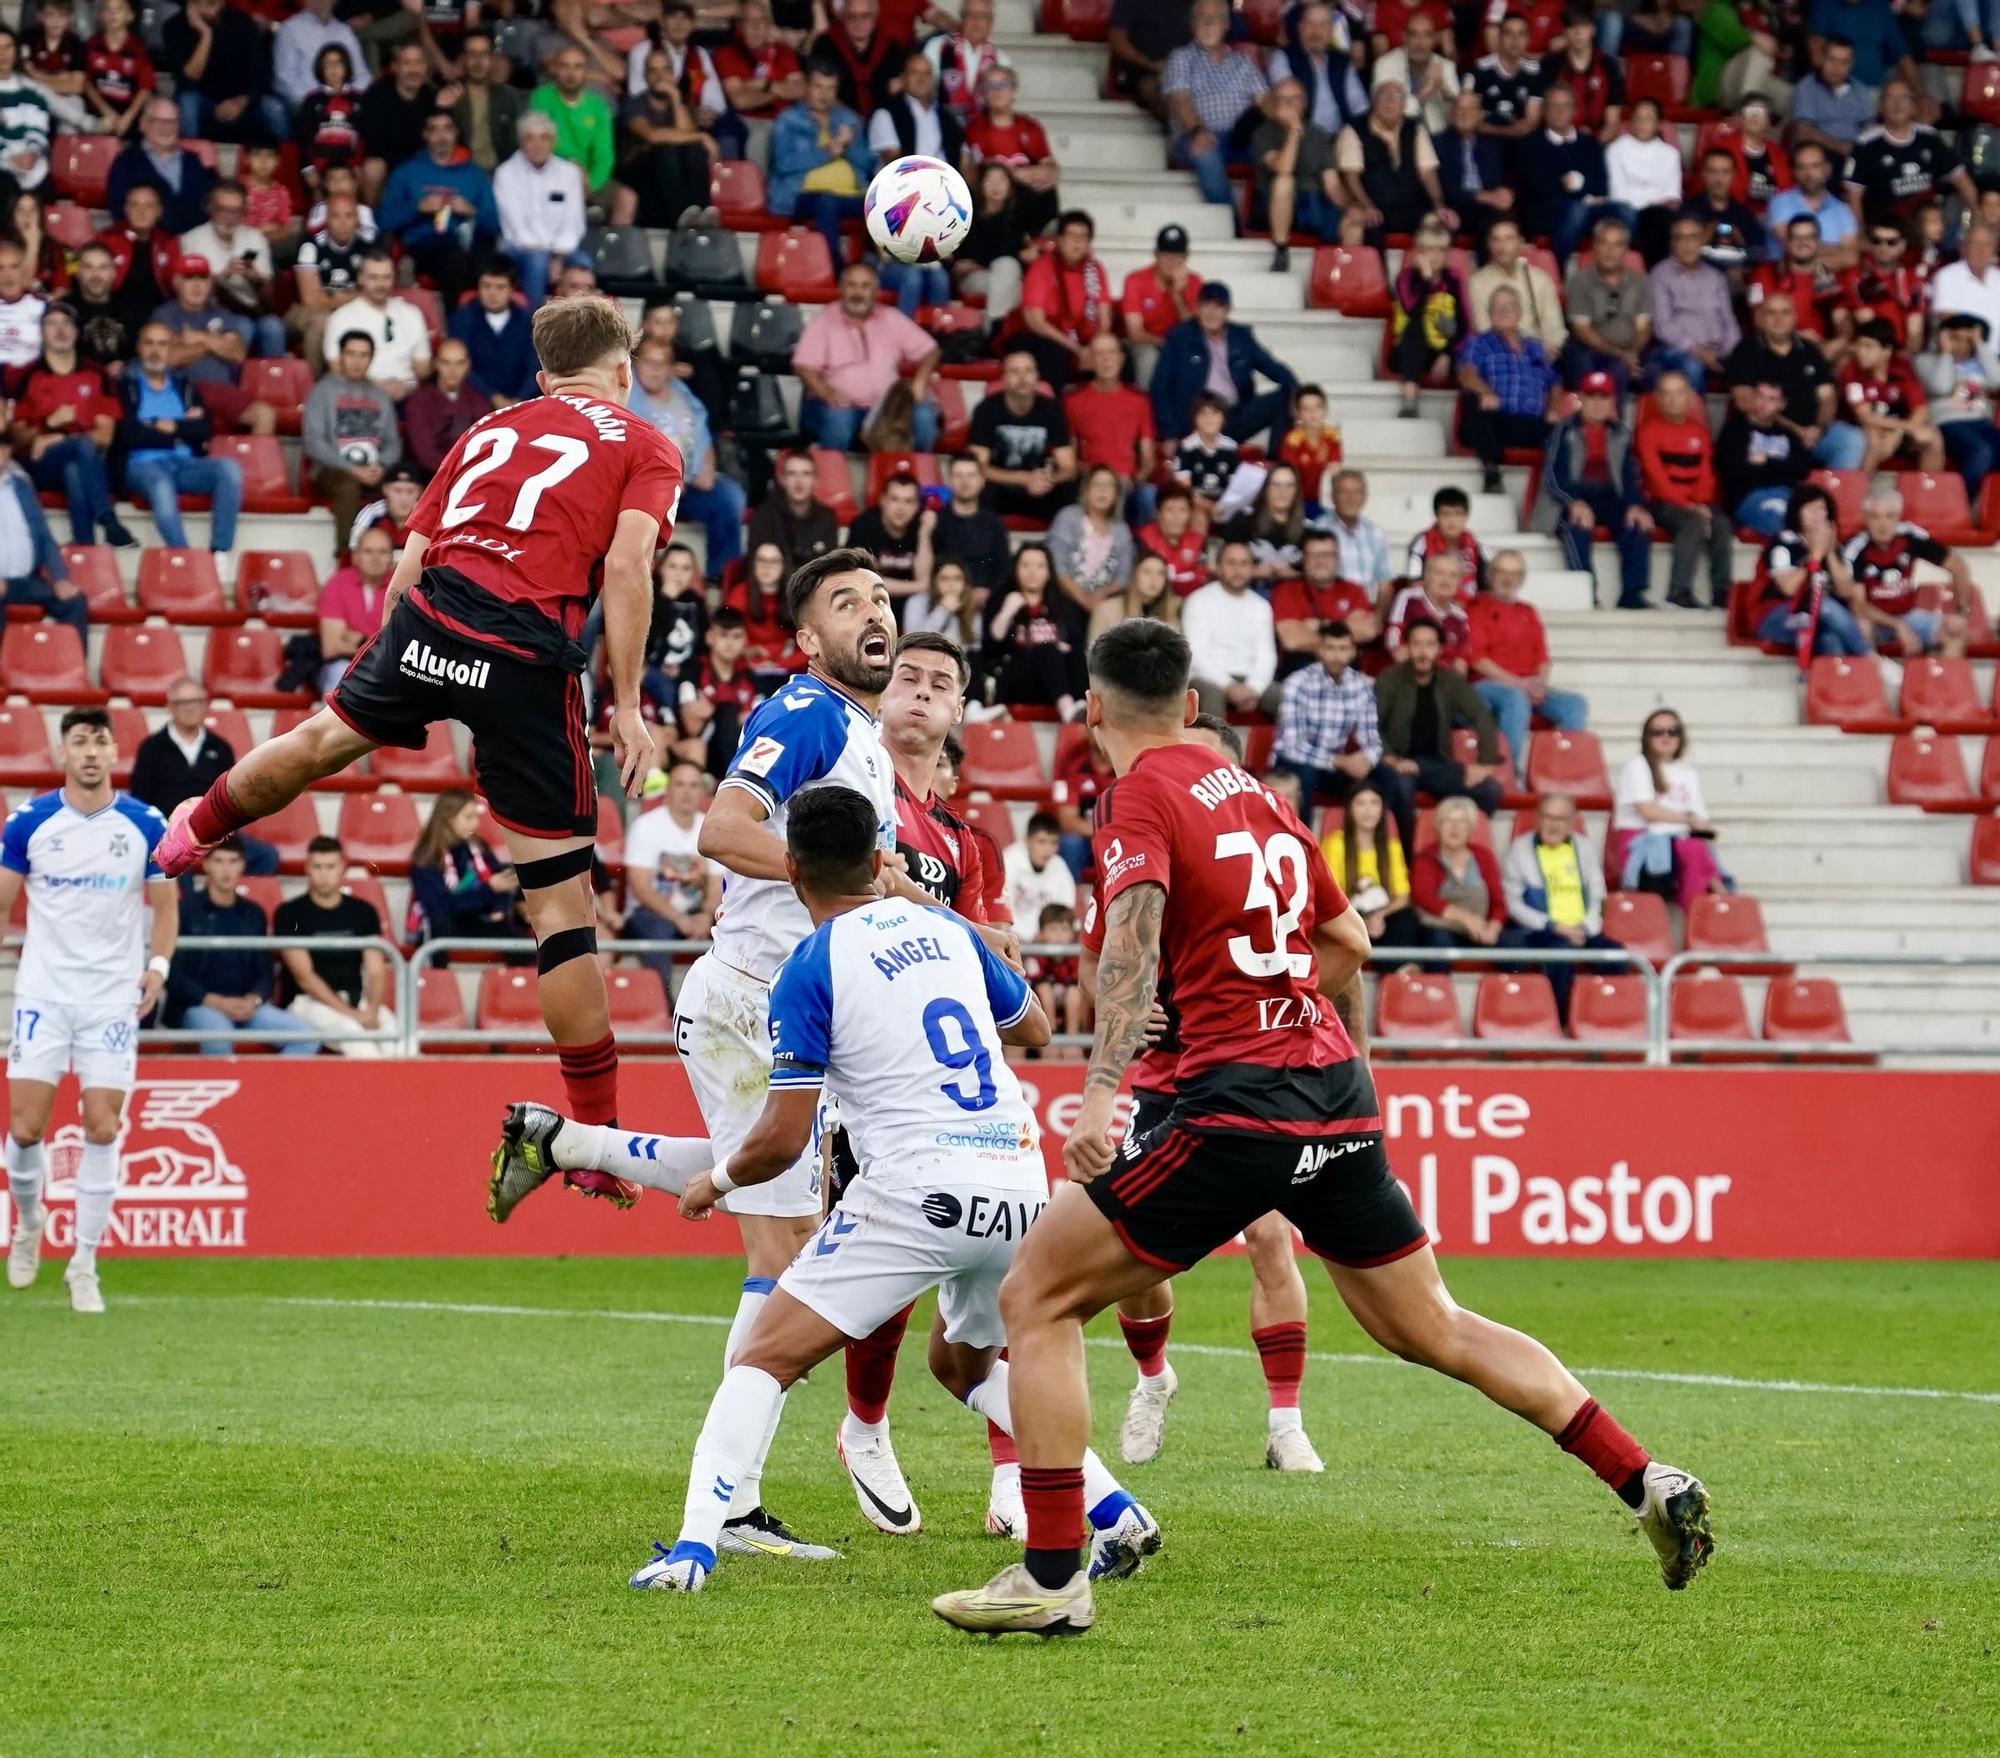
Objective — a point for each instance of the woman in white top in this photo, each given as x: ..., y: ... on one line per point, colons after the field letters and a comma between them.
x: 1644, y: 171
x: 1659, y: 819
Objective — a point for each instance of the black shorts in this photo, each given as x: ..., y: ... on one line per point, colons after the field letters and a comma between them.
x: 530, y: 751
x: 1176, y: 1194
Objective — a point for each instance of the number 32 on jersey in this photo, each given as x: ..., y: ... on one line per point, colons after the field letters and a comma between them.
x: 1280, y: 885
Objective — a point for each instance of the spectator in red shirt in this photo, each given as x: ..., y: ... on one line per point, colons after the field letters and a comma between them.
x: 1156, y: 298
x: 1019, y: 143
x: 716, y: 695
x: 1450, y: 534
x: 1880, y: 394
x: 64, y: 422
x: 760, y: 74
x: 142, y: 256
x: 1434, y: 600
x: 869, y: 57
x: 1819, y: 293
x: 1111, y: 423
x: 117, y: 72
x: 1510, y: 662
x: 1883, y: 284
x: 1065, y: 300
x: 1311, y: 444
x: 1456, y: 882
x: 1174, y: 538
x: 1677, y: 474
x: 1317, y: 595
x: 1761, y: 166
x: 758, y: 596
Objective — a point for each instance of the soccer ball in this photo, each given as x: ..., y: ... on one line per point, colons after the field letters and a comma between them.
x: 918, y: 210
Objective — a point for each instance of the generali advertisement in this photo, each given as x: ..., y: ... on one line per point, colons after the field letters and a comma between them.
x: 329, y: 1159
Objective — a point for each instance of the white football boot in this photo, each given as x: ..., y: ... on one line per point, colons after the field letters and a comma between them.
x: 1144, y: 1430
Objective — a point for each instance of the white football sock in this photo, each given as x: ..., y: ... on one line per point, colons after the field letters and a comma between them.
x: 1150, y: 1380
x: 741, y: 1419
x: 989, y: 1399
x: 858, y: 1433
x: 1286, y: 1417
x: 659, y: 1162
x: 750, y: 1481
x: 96, y: 1184
x: 24, y: 1172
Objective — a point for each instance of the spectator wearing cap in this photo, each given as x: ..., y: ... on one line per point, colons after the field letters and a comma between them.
x: 1156, y: 298
x: 1389, y: 168
x: 390, y: 511
x: 157, y: 161
x: 31, y: 563
x: 1694, y: 319
x: 1298, y: 187
x: 1213, y: 96
x: 1003, y: 135
x: 240, y: 255
x: 64, y: 420
x: 440, y: 206
x: 1509, y: 660
x: 1509, y: 388
x: 1590, y: 477
x: 853, y: 354
x: 1563, y: 184
x: 436, y: 415
x: 1610, y: 310
x: 1065, y: 301
x: 350, y: 604
x: 349, y: 431
x: 1961, y: 376
x: 820, y: 162
x: 497, y: 332
x: 164, y: 436
x: 1209, y: 353
x: 1677, y: 470
x: 717, y: 500
x: 210, y: 345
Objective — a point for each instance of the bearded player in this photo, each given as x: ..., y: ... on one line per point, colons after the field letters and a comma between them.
x: 1277, y: 1290
x: 538, y: 507
x: 1201, y: 866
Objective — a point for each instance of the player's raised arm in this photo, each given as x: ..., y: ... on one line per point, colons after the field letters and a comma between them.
x: 628, y: 608
x: 733, y: 833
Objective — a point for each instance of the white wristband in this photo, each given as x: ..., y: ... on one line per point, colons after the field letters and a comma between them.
x: 159, y: 966
x: 718, y: 1175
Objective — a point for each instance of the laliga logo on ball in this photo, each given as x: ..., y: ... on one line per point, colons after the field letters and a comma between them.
x: 918, y: 210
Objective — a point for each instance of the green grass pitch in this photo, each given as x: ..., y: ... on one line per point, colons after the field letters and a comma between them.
x: 248, y: 1513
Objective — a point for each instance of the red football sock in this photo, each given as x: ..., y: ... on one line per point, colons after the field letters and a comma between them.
x: 1282, y: 1350
x: 215, y: 814
x: 1001, y: 1445
x: 1595, y: 1437
x: 1054, y: 1500
x: 1147, y: 1339
x: 871, y: 1367
x: 590, y: 1076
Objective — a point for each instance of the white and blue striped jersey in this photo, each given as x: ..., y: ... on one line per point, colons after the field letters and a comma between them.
x: 86, y: 883
x: 811, y: 731
x: 896, y: 1008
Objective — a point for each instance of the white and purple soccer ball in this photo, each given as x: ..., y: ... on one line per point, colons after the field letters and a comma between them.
x: 918, y: 210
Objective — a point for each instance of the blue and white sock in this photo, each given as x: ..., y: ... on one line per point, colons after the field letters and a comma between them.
x: 24, y: 1173
x: 741, y: 1419
x: 659, y: 1162
x: 1104, y: 1497
x: 96, y: 1185
x: 750, y: 1482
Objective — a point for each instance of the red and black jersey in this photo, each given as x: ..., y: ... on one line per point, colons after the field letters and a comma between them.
x: 1470, y: 552
x: 64, y: 55
x: 328, y: 127
x: 1784, y: 554
x: 1887, y: 572
x: 738, y: 690
x: 1816, y: 293
x: 1598, y: 85
x: 1894, y: 392
x: 942, y: 852
x: 118, y: 75
x: 992, y: 877
x: 1246, y: 886
x: 1872, y: 293
x: 522, y: 512
x: 1185, y: 556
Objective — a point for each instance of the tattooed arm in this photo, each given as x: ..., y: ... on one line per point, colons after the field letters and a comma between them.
x: 1342, y: 948
x: 1127, y: 969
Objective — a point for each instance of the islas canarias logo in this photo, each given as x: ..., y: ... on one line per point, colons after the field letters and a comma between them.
x: 178, y: 1189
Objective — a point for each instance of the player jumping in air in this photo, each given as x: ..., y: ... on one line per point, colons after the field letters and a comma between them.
x: 899, y: 1010
x: 537, y: 506
x: 1202, y: 868
x: 85, y: 853
x: 1277, y: 1290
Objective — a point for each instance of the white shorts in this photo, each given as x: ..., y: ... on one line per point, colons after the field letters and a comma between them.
x: 882, y: 1248
x: 722, y: 1027
x: 50, y: 1038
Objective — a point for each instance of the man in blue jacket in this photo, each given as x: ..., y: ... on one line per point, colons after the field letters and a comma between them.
x: 820, y: 159
x: 157, y: 160
x: 1563, y: 185
x: 1590, y: 477
x: 1189, y: 356
x: 441, y: 209
x: 498, y: 333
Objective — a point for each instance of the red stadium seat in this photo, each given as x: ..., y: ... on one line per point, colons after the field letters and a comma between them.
x: 954, y: 418
x: 1733, y: 923
x: 428, y: 771
x: 288, y: 830
x: 425, y: 300
x: 265, y: 891
x: 1663, y: 78
x: 232, y: 727
x: 1848, y: 693
x: 833, y: 484
x: 796, y: 265
x: 368, y: 889
x: 243, y: 664
x: 278, y: 584
x: 1351, y: 282
x: 267, y: 486
x: 1569, y: 763
x: 70, y: 225
x: 141, y: 661
x: 1981, y: 98
x: 993, y: 817
x: 1989, y: 772
x: 94, y: 569
x: 44, y: 662
x: 1002, y: 759
x: 1984, y: 867
x: 883, y: 465
x: 128, y: 733
x: 610, y: 833
x: 182, y: 586
x: 1925, y: 770
x: 1939, y: 505
x: 283, y: 382
x: 1709, y: 1004
x: 1607, y: 1008
x: 441, y: 1008
x: 1849, y: 489
x: 1089, y: 21
x: 1512, y: 1009
x: 638, y: 1003
x: 1940, y: 694
x: 736, y: 190
x: 1417, y: 1004
x: 1805, y: 1010
x: 80, y: 167
x: 379, y: 830
x: 25, y: 760
x: 1637, y: 920
x: 507, y: 1002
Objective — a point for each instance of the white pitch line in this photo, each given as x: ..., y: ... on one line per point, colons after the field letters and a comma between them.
x: 1726, y: 1382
